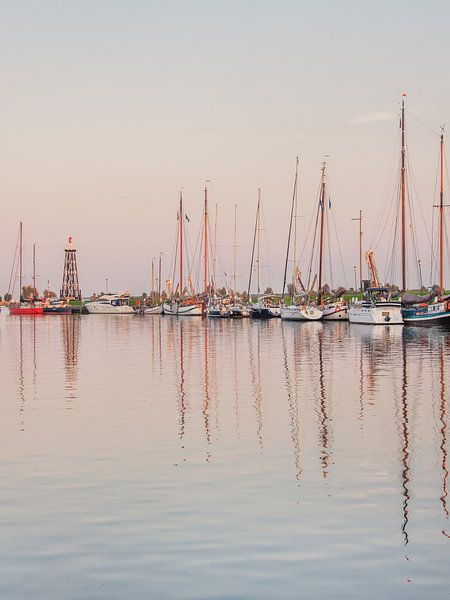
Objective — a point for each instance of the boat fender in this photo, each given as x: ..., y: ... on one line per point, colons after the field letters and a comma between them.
x: 448, y: 305
x: 387, y: 318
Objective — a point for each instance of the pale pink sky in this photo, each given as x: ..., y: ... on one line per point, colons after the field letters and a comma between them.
x: 109, y: 108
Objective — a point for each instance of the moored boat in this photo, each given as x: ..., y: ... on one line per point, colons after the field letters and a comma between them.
x: 376, y: 308
x: 58, y: 307
x: 154, y: 310
x: 110, y: 304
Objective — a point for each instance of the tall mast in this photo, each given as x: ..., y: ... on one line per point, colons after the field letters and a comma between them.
x: 257, y: 241
x: 322, y: 219
x: 441, y: 218
x: 153, y: 282
x: 34, y: 270
x: 181, y: 243
x: 296, y: 187
x: 215, y: 251
x: 205, y: 253
x: 234, y: 253
x: 403, y: 199
x: 293, y: 208
x: 254, y: 243
x: 159, y: 280
x: 360, y: 250
x: 20, y: 260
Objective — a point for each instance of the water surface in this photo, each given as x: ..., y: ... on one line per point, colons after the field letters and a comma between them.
x: 174, y: 458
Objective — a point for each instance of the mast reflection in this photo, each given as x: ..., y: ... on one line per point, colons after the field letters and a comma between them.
x: 323, y: 409
x: 443, y: 429
x: 404, y: 429
x: 292, y: 400
x: 255, y: 375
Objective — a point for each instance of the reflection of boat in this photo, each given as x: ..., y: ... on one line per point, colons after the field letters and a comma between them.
x: 58, y: 307
x: 376, y: 308
x: 110, y: 304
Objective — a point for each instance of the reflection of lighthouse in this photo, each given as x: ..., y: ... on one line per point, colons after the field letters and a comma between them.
x: 70, y: 287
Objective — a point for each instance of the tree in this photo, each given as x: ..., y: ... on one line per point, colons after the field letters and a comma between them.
x: 49, y: 294
x: 28, y: 291
x: 7, y: 297
x: 268, y: 291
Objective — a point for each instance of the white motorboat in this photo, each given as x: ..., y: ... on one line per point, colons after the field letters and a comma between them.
x: 109, y: 304
x: 183, y: 309
x: 154, y: 310
x: 301, y: 312
x: 335, y: 311
x: 376, y: 308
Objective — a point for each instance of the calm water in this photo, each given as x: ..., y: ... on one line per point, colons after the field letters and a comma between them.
x: 163, y: 458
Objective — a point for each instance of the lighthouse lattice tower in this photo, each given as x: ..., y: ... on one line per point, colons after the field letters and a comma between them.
x: 70, y: 287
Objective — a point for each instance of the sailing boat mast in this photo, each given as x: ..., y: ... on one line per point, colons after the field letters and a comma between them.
x: 254, y: 243
x: 293, y: 208
x: 441, y: 217
x: 322, y: 222
x: 159, y: 279
x: 234, y: 253
x: 153, y: 282
x: 20, y: 260
x: 257, y: 246
x: 205, y: 253
x: 181, y: 243
x: 403, y: 197
x: 34, y: 271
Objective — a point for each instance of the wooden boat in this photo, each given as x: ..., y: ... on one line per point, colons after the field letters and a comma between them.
x: 420, y: 310
x: 179, y: 305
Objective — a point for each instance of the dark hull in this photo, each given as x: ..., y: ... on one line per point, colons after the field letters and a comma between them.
x: 58, y: 310
x: 261, y: 313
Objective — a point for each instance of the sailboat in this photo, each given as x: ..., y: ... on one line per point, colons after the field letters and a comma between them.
x: 217, y: 306
x: 418, y: 310
x: 236, y: 309
x: 155, y: 309
x: 263, y: 308
x: 300, y: 309
x: 25, y: 306
x: 178, y: 304
x: 377, y: 306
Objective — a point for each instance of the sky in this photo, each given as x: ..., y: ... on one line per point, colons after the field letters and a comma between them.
x: 109, y: 108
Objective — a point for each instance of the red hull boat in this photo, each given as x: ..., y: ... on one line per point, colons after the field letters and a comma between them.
x: 26, y: 310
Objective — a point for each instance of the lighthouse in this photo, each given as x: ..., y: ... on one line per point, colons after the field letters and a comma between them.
x: 70, y: 287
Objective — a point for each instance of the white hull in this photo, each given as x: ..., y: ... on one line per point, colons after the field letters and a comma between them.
x: 154, y: 310
x: 183, y: 310
x: 4, y: 310
x: 301, y: 313
x: 335, y: 312
x: 382, y: 313
x: 98, y: 308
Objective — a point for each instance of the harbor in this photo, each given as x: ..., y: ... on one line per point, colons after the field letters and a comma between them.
x: 224, y: 300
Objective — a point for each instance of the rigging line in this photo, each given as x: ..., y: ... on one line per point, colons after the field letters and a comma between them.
x: 289, y: 234
x: 434, y: 250
x: 327, y: 225
x: 339, y: 249
x: 430, y: 129
x: 386, y: 203
x: 313, y: 246
x: 12, y: 276
x: 412, y: 180
x: 390, y: 259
